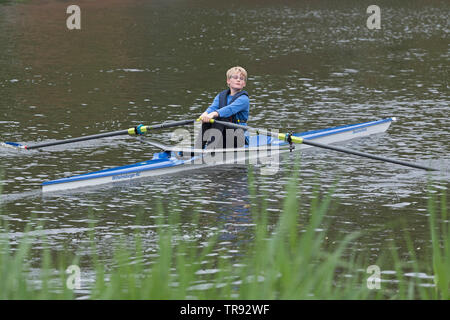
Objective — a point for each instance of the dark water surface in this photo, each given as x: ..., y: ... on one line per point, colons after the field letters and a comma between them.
x: 311, y: 65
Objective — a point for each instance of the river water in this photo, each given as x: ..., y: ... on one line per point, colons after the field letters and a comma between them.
x: 311, y: 65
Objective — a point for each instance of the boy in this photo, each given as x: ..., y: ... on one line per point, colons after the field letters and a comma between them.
x: 231, y: 105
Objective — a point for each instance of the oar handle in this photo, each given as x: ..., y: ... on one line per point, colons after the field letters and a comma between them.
x: 171, y: 124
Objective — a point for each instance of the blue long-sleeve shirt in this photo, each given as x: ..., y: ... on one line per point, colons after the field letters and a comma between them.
x: 240, y: 107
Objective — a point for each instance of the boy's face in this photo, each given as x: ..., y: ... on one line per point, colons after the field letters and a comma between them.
x: 236, y: 81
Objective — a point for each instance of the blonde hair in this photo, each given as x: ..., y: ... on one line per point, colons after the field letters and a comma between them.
x: 235, y: 70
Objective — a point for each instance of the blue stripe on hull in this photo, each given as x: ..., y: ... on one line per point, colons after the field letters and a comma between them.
x: 263, y: 140
x: 330, y: 131
x: 125, y: 171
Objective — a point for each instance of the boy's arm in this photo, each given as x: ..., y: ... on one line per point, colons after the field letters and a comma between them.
x: 211, y: 111
x: 214, y: 106
x: 240, y: 104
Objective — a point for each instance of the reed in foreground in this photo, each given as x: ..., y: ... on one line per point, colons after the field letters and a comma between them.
x: 290, y: 262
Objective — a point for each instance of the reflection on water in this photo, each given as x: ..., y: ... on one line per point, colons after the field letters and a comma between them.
x: 311, y: 65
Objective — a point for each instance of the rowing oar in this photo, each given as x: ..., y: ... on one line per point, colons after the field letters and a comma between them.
x: 138, y: 130
x: 293, y: 139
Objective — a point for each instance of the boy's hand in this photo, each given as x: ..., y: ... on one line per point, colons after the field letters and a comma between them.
x: 206, y: 117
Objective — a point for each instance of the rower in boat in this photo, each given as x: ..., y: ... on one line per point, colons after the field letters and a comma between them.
x: 166, y: 162
x: 231, y: 105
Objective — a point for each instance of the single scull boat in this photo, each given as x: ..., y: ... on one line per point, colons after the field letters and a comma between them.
x: 169, y: 161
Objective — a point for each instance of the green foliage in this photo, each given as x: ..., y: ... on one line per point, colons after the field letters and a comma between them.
x: 292, y: 261
x: 440, y: 239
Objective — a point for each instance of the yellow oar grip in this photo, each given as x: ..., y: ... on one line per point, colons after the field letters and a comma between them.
x: 210, y: 120
x: 142, y: 129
